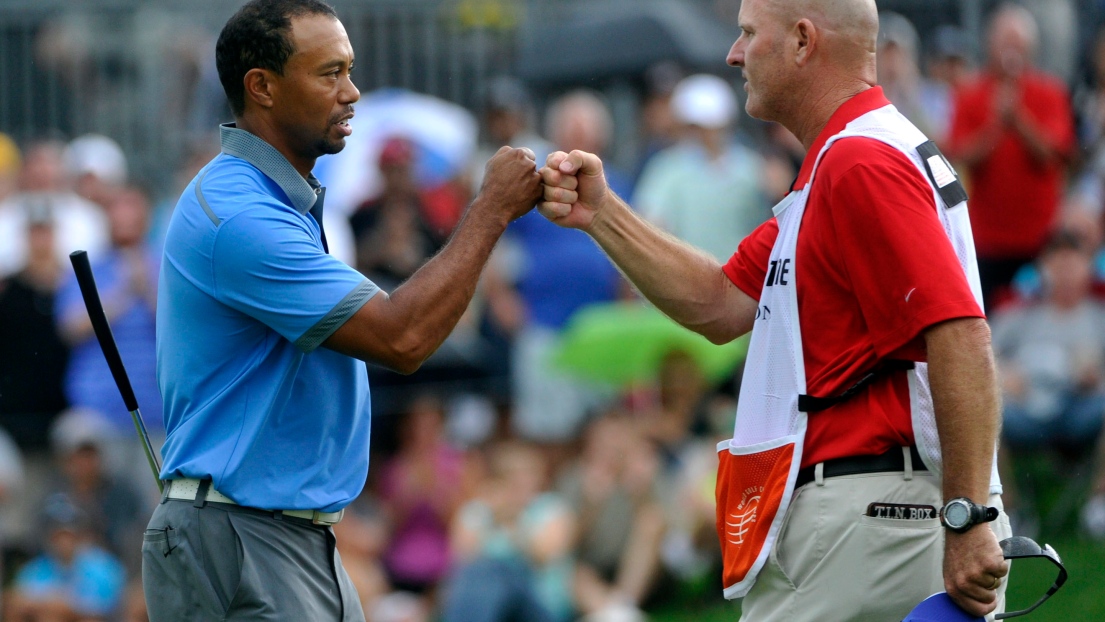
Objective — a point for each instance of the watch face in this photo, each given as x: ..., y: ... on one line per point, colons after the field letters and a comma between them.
x: 957, y: 514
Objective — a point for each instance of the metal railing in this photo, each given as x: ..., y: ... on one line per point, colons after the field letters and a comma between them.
x: 143, y: 72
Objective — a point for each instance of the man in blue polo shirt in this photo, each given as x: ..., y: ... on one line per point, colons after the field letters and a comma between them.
x: 267, y: 432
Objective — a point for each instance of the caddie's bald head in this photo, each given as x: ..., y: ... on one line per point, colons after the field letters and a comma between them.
x: 856, y: 22
x: 795, y: 54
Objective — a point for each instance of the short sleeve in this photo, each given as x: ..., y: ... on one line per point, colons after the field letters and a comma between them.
x: 267, y: 264
x: 747, y: 268
x: 898, y: 259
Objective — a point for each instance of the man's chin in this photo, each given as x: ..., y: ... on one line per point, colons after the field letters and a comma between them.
x: 755, y: 110
x: 330, y: 147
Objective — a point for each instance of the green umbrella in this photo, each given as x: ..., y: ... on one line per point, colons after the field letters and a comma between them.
x: 619, y: 343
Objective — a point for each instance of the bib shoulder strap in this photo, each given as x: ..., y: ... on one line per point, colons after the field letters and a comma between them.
x: 941, y: 174
x: 810, y: 403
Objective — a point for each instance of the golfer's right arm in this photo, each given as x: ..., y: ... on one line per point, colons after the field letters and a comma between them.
x: 686, y: 284
x: 403, y: 329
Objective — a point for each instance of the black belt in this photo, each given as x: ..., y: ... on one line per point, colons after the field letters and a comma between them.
x: 889, y: 462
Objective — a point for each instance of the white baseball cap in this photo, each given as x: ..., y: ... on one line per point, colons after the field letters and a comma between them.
x: 77, y: 427
x: 98, y: 155
x: 704, y: 100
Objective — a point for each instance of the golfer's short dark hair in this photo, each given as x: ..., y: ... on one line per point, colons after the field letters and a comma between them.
x: 258, y: 36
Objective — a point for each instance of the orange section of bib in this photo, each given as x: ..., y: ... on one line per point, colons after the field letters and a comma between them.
x: 750, y: 490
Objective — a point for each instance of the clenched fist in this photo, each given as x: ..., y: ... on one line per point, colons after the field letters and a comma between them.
x: 575, y: 189
x: 511, y: 184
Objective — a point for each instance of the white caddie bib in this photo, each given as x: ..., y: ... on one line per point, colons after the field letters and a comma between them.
x: 759, y: 465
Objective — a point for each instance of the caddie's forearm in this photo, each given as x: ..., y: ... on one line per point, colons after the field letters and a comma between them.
x: 432, y: 301
x: 682, y: 281
x: 965, y: 396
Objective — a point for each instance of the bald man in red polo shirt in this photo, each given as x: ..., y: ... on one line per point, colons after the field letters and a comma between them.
x: 869, y: 404
x: 1014, y: 131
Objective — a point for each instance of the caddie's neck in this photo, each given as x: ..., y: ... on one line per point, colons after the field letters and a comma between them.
x: 820, y: 101
x: 262, y: 126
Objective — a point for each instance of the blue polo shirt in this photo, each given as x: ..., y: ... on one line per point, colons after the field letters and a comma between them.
x: 247, y: 294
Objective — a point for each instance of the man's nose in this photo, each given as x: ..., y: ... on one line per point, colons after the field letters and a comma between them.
x: 350, y: 94
x: 736, y: 55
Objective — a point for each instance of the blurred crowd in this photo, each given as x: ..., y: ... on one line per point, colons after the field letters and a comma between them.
x: 503, y: 483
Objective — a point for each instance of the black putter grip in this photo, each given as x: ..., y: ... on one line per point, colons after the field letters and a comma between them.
x: 103, y: 330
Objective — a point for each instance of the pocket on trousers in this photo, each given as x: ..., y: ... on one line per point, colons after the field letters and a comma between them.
x: 175, y: 582
x: 164, y: 540
x: 903, y: 564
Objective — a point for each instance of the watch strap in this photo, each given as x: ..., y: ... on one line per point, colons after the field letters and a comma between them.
x: 989, y: 515
x: 978, y: 514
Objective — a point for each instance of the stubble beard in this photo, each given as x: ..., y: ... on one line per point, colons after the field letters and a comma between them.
x: 327, y: 146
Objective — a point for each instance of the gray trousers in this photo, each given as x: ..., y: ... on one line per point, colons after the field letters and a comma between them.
x: 220, y: 562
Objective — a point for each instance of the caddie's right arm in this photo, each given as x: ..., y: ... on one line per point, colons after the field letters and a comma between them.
x: 685, y: 283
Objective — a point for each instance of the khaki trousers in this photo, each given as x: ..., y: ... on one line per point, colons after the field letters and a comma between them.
x: 832, y: 563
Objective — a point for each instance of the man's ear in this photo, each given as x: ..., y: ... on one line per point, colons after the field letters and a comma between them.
x: 806, y: 36
x: 259, y: 85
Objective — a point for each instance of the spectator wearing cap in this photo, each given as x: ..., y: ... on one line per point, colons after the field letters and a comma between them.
x: 1013, y: 130
x: 81, y: 439
x: 392, y: 238
x: 97, y: 166
x: 73, y: 579
x: 707, y: 188
x: 45, y: 185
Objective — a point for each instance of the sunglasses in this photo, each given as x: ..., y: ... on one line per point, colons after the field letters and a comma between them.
x: 1020, y: 547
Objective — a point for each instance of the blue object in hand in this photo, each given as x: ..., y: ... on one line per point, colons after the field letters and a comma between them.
x: 940, y: 608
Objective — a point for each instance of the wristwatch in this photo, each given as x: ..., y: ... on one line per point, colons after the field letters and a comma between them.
x: 960, y: 514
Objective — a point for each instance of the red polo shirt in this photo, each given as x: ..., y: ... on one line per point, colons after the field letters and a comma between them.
x: 874, y: 270
x: 1014, y: 196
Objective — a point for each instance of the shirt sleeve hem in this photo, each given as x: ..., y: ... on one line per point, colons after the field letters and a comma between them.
x: 922, y: 320
x: 735, y: 277
x: 337, y: 316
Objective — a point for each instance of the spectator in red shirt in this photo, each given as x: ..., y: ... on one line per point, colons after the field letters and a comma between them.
x: 1013, y: 131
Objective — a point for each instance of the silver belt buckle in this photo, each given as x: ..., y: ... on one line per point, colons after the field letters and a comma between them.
x: 317, y: 517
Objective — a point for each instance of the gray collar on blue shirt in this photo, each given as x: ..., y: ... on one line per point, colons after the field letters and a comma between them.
x: 241, y: 144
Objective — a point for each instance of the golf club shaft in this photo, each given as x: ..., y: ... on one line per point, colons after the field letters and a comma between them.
x: 87, y: 283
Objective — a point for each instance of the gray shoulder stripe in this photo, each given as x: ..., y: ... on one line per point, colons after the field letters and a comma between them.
x: 337, y: 316
x: 203, y: 201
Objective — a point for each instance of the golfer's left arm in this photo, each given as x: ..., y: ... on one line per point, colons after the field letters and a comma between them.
x: 965, y: 397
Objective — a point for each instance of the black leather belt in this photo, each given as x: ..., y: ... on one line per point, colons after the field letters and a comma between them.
x: 890, y: 462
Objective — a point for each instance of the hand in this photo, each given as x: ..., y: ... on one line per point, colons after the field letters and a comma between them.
x: 138, y: 274
x: 575, y: 189
x: 972, y: 562
x: 511, y: 182
x: 1006, y: 99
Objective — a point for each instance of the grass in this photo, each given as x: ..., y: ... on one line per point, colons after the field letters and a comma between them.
x: 1082, y: 599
